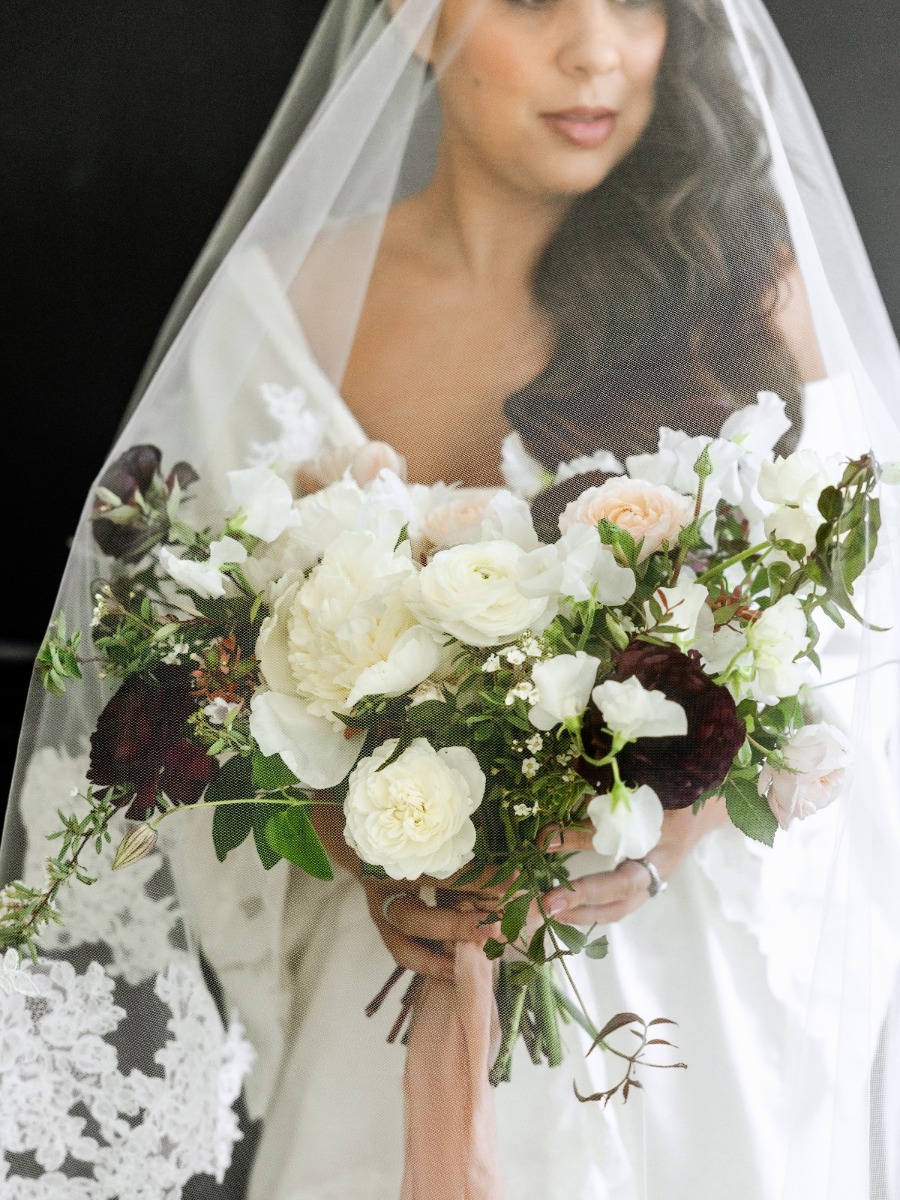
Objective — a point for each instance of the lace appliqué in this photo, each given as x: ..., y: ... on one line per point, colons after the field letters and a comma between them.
x: 302, y: 429
x: 70, y: 1116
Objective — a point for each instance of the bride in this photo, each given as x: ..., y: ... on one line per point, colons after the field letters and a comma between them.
x: 518, y: 233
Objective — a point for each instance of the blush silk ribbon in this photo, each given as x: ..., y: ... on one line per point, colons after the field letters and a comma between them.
x: 451, y: 1140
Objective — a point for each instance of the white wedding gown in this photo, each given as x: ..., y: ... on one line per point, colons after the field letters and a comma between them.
x: 726, y: 952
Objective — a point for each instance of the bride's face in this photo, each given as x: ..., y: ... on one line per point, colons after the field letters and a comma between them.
x: 549, y: 94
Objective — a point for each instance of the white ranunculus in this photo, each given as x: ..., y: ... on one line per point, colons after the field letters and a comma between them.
x: 264, y: 500
x: 522, y: 473
x: 632, y: 711
x: 626, y: 831
x: 413, y: 817
x: 471, y: 592
x: 600, y: 460
x: 652, y: 513
x: 775, y: 640
x: 578, y: 566
x: 204, y: 578
x: 682, y: 604
x: 564, y: 686
x: 797, y: 480
x: 344, y: 632
x: 793, y: 525
x: 817, y: 757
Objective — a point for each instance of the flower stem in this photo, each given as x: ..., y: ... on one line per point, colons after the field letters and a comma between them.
x: 760, y: 548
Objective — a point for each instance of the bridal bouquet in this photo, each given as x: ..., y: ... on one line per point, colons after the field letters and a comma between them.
x: 469, y: 672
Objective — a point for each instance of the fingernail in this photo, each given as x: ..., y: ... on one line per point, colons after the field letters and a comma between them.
x: 555, y: 843
x: 490, y: 931
x: 556, y: 904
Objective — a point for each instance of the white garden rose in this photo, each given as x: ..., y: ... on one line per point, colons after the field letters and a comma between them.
x: 626, y: 830
x: 817, y: 757
x: 633, y: 711
x: 413, y: 817
x: 564, y: 688
x: 205, y: 578
x: 457, y: 520
x: 264, y: 502
x: 775, y: 640
x: 652, y: 513
x: 471, y: 592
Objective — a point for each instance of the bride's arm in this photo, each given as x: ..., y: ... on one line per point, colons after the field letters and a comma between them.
x: 409, y: 922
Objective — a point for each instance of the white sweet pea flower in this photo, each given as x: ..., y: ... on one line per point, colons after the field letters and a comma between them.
x: 793, y: 525
x: 508, y: 518
x: 471, y: 592
x: 579, y: 566
x: 719, y: 647
x: 413, y: 816
x: 797, y: 480
x: 600, y: 460
x: 204, y: 578
x: 626, y: 827
x: 682, y: 604
x: 757, y: 428
x: 673, y: 466
x: 817, y: 758
x: 262, y: 501
x: 775, y: 640
x: 564, y: 688
x: 522, y: 473
x: 631, y: 711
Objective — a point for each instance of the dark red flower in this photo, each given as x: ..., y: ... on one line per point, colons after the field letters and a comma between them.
x: 679, y: 769
x: 139, y: 744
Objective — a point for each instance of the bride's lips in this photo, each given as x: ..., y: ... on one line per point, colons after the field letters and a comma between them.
x: 582, y: 126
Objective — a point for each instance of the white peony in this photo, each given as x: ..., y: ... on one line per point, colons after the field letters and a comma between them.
x: 653, y: 514
x: 579, y: 566
x: 564, y: 688
x: 632, y: 711
x: 341, y: 634
x: 413, y: 817
x: 204, y: 578
x: 626, y: 830
x: 817, y: 758
x: 775, y: 640
x: 471, y: 592
x: 262, y: 501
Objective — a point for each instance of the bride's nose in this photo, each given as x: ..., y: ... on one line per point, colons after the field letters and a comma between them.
x: 589, y: 38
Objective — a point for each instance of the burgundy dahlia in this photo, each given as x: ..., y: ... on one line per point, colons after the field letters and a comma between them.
x: 679, y: 769
x: 139, y: 743
x: 124, y: 532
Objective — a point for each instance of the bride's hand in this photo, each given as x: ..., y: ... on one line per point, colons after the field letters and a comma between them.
x: 407, y: 923
x: 611, y: 895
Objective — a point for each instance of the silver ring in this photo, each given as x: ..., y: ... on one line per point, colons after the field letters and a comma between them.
x: 388, y: 901
x: 657, y: 884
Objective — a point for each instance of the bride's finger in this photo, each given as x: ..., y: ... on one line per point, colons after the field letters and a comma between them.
x: 573, y: 837
x: 412, y: 917
x: 414, y: 956
x: 604, y: 889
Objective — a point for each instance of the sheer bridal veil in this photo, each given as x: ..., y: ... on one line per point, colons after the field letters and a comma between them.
x: 171, y: 988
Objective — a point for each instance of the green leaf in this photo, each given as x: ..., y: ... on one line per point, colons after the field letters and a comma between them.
x: 291, y: 835
x: 270, y: 774
x: 234, y: 782
x: 571, y: 937
x: 493, y: 949
x: 514, y: 916
x: 831, y: 504
x: 262, y: 814
x: 749, y: 811
x: 231, y: 827
x: 597, y: 949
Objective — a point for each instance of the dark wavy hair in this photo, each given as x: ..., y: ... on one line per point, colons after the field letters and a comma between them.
x: 662, y: 282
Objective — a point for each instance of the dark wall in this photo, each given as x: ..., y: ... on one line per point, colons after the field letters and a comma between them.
x: 123, y: 128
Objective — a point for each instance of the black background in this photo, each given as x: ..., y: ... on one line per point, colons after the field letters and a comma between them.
x: 124, y: 125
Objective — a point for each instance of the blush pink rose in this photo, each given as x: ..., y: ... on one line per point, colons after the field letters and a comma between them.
x: 458, y: 520
x: 817, y: 757
x: 652, y: 513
